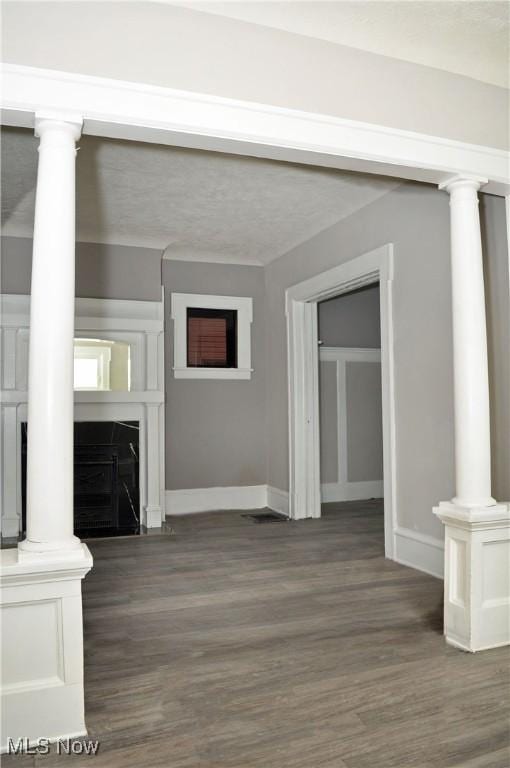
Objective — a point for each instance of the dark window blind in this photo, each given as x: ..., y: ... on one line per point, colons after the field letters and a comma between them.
x: 207, y: 341
x: 211, y: 338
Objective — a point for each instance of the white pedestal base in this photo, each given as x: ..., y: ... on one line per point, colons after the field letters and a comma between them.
x: 42, y: 646
x: 153, y: 516
x: 477, y: 575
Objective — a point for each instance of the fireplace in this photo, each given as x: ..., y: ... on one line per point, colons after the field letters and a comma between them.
x: 106, y: 478
x: 130, y: 496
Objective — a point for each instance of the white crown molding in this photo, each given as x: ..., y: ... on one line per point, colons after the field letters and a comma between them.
x: 143, y: 112
x: 209, y: 257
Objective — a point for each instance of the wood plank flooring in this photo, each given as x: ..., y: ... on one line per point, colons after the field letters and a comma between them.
x: 287, y: 645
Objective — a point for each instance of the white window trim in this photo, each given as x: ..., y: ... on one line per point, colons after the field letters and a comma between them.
x: 244, y: 307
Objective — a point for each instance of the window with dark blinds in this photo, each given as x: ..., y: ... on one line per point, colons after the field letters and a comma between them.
x: 211, y: 338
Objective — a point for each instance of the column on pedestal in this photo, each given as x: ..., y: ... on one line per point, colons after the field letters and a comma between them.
x: 477, y: 529
x: 40, y: 584
x: 50, y: 378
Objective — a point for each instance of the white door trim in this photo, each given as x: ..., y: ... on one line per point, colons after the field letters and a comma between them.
x: 144, y: 112
x: 303, y: 374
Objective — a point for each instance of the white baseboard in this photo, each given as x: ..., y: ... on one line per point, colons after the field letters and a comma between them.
x: 278, y: 500
x: 417, y: 550
x: 368, y: 489
x: 188, y: 501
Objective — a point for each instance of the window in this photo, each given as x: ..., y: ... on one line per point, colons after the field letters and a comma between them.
x: 211, y: 336
x: 101, y: 365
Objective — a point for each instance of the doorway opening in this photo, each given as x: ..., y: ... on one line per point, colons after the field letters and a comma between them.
x: 305, y: 497
x: 350, y: 405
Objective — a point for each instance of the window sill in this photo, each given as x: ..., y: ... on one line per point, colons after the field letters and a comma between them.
x: 212, y: 373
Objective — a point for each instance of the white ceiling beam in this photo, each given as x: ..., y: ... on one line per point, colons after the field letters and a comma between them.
x: 137, y: 111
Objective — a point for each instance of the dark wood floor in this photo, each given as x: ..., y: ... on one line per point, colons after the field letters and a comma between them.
x: 287, y: 645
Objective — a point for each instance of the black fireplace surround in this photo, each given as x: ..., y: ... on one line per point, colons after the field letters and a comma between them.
x: 106, y: 478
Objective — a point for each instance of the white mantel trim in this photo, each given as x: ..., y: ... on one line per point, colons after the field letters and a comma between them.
x: 141, y: 324
x: 91, y: 314
x: 143, y: 112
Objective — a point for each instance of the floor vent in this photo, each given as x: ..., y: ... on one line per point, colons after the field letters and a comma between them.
x: 267, y: 517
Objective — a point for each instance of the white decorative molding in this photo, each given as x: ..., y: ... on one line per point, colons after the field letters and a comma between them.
x: 240, y: 304
x: 212, y: 373
x: 352, y: 491
x: 144, y: 112
x: 42, y: 646
x: 278, y: 500
x: 344, y: 489
x: 420, y: 551
x: 477, y: 575
x: 350, y: 354
x: 303, y: 363
x: 91, y: 314
x: 187, y: 501
x: 137, y: 323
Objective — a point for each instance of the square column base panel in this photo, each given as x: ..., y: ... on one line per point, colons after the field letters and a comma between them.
x: 42, y: 647
x: 477, y: 575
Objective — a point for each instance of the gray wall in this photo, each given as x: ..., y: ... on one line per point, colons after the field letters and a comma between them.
x: 102, y: 271
x: 180, y: 48
x: 328, y: 425
x: 215, y: 430
x: 415, y: 218
x: 351, y: 320
x: 493, y: 221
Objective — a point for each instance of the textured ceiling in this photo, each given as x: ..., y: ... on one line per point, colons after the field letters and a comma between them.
x: 200, y: 205
x: 468, y: 37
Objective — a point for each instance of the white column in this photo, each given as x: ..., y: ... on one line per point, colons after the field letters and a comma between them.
x: 471, y: 379
x: 477, y: 529
x: 50, y: 379
x: 40, y: 583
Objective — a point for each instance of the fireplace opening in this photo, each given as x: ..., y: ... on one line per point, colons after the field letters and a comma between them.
x: 106, y: 478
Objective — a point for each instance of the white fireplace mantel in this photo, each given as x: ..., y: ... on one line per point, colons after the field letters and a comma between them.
x: 138, y: 323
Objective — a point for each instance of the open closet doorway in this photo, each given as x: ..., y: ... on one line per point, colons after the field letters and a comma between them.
x: 302, y: 300
x: 350, y: 408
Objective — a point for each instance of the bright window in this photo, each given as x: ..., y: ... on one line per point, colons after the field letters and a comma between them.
x: 101, y: 365
x: 86, y: 374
